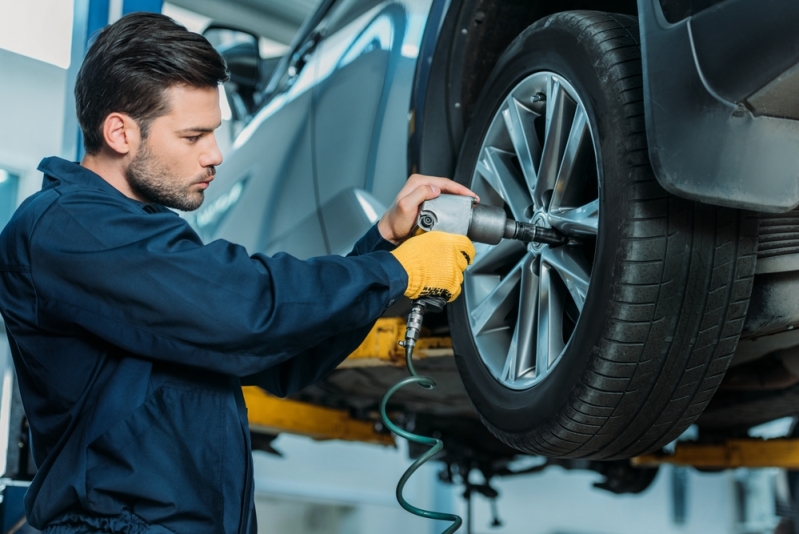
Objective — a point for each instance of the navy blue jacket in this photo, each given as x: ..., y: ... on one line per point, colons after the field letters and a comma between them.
x: 131, y: 340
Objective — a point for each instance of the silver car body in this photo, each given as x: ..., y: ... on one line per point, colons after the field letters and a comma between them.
x: 328, y: 149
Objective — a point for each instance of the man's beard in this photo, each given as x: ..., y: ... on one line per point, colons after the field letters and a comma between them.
x: 150, y: 179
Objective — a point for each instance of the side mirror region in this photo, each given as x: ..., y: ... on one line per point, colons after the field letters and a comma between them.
x: 249, y: 72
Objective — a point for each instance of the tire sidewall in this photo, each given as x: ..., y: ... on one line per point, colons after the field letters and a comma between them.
x: 551, y: 48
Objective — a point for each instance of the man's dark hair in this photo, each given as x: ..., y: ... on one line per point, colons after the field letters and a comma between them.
x: 130, y: 66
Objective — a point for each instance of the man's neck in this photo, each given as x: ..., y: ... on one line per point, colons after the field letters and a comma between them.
x: 112, y: 170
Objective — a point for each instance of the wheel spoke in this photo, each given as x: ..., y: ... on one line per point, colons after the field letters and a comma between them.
x: 521, y: 354
x: 573, y: 269
x: 519, y: 121
x: 560, y: 111
x: 550, y: 322
x: 569, y: 182
x: 493, y: 310
x: 496, y: 167
x: 537, y: 159
x: 582, y: 221
x: 490, y: 258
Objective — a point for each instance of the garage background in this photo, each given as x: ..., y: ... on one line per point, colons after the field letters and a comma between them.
x: 330, y: 487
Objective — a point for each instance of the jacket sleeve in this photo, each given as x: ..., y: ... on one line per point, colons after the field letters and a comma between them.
x: 371, y: 241
x: 317, y: 362
x: 145, y: 282
x: 310, y: 366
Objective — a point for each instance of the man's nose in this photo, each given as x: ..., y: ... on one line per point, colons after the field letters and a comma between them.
x: 213, y: 156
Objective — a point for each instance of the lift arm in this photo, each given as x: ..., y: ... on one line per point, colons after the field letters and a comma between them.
x: 381, y: 346
x: 272, y: 415
x: 733, y: 453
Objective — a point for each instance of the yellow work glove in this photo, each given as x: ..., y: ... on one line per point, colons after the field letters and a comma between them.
x: 435, y: 262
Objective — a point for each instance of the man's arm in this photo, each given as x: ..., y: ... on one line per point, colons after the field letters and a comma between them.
x: 317, y: 362
x: 146, y: 283
x: 309, y: 366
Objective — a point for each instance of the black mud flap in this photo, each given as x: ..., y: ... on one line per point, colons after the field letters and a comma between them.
x: 722, y: 109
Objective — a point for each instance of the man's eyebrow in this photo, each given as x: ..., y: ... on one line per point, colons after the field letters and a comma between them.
x: 202, y: 129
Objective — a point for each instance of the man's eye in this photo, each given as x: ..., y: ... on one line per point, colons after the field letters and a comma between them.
x: 193, y: 139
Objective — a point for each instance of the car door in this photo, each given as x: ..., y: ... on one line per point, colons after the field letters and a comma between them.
x: 366, y: 67
x: 263, y: 195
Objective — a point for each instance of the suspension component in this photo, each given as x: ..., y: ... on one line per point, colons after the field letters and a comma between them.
x: 530, y: 233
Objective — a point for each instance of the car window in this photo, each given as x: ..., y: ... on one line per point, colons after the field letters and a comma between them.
x: 280, y: 79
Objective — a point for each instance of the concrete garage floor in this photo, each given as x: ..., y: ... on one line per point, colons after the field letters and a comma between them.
x: 348, y: 488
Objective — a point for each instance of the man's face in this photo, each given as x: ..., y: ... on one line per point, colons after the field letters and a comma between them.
x: 176, y: 162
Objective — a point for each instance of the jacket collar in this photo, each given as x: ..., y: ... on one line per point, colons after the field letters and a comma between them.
x: 60, y: 171
x: 57, y: 170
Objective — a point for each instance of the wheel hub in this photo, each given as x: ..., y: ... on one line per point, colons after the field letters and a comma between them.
x: 524, y: 301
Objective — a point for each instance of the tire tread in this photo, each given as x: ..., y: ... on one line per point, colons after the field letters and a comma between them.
x: 675, y: 316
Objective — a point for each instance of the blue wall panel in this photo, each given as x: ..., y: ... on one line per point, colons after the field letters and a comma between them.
x: 97, y: 18
x: 130, y: 6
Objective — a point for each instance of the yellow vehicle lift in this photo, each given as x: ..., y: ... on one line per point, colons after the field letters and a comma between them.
x: 274, y: 415
x: 380, y: 348
x: 747, y: 452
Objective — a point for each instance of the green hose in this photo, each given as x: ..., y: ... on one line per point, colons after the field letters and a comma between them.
x: 435, y: 444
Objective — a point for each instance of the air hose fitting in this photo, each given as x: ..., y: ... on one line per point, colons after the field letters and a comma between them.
x: 418, y: 309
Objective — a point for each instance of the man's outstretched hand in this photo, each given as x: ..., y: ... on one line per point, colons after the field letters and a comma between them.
x: 397, y: 222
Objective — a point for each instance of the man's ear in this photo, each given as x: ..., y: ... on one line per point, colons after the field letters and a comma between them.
x: 121, y: 133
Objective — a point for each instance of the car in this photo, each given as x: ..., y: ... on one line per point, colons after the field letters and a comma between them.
x: 658, y: 135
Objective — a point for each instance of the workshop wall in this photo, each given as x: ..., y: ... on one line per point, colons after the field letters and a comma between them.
x: 42, y: 43
x: 32, y: 111
x: 32, y: 94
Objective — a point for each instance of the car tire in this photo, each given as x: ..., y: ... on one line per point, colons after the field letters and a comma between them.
x: 670, y: 279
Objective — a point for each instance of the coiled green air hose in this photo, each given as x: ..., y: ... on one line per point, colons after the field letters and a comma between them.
x: 412, y: 334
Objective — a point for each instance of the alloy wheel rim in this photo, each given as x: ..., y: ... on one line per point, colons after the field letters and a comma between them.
x: 538, y: 159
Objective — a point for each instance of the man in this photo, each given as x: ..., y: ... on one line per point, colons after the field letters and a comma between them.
x: 132, y: 339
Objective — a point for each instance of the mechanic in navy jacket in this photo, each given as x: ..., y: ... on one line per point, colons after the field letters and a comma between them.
x: 131, y: 338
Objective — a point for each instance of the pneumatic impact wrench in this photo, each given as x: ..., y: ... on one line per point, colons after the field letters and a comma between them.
x: 462, y: 215
x: 457, y: 214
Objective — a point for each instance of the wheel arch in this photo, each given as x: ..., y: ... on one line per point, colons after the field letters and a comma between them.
x: 461, y: 45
